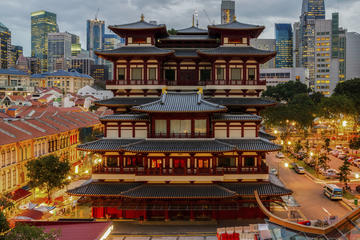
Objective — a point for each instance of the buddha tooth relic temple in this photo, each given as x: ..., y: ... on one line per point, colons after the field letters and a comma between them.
x: 185, y: 141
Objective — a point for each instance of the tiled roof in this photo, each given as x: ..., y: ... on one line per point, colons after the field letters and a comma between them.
x: 188, y: 38
x: 181, y: 191
x: 129, y: 50
x: 266, y: 135
x: 264, y: 189
x: 186, y: 52
x: 170, y: 145
x: 107, y: 144
x: 126, y: 117
x: 62, y: 73
x: 13, y: 71
x: 186, y: 102
x: 100, y: 188
x: 180, y: 145
x: 242, y: 101
x: 236, y: 25
x: 236, y: 51
x: 137, y: 25
x: 236, y: 117
x: 258, y: 144
x: 125, y: 101
x: 178, y: 191
x: 130, y: 101
x: 192, y: 30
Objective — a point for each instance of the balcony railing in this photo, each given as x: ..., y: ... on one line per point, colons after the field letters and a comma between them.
x: 180, y: 135
x: 260, y: 82
x: 219, y: 171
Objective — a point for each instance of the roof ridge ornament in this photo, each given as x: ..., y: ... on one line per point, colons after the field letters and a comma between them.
x: 163, y: 96
x: 142, y: 18
x: 200, y: 93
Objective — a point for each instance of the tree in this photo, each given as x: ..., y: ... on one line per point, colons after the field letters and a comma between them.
x: 327, y: 145
x: 4, y: 225
x: 324, y: 162
x: 345, y: 172
x: 297, y: 146
x: 48, y: 173
x: 172, y: 31
x: 286, y: 91
x: 354, y: 143
x: 27, y: 232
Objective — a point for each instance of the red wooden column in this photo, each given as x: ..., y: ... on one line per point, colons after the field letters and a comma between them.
x: 213, y: 159
x: 121, y: 162
x: 227, y: 80
x: 213, y: 72
x: 160, y: 75
x: 145, y: 72
x: 115, y: 72
x: 128, y: 71
x: 258, y: 161
x: 167, y: 163
x: 177, y: 73
x: 239, y: 162
x: 145, y: 162
x: 257, y: 73
x: 244, y: 77
x: 197, y: 72
x: 192, y: 161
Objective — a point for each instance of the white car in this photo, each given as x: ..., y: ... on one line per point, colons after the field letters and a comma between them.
x: 331, y: 172
x: 273, y: 171
x: 280, y: 155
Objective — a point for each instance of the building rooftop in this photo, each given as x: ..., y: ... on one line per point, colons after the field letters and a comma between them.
x: 13, y: 71
x: 185, y: 102
x: 192, y: 30
x: 237, y: 117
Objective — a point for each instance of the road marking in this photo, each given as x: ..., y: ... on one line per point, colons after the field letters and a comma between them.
x: 325, y: 210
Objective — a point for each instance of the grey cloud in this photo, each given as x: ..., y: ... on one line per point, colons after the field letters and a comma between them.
x: 72, y: 14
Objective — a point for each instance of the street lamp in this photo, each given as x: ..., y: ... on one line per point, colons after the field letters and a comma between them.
x: 357, y: 175
x: 286, y: 165
x: 344, y: 123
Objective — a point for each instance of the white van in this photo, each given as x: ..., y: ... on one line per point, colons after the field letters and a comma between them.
x: 333, y: 192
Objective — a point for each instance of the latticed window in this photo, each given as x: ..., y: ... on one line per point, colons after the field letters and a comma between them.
x: 152, y: 73
x: 236, y: 74
x: 220, y: 74
x: 136, y: 73
x: 121, y: 73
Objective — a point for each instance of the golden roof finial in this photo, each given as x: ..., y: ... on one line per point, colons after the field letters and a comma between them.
x: 142, y: 18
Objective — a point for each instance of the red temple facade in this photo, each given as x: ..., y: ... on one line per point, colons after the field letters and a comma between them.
x: 171, y: 151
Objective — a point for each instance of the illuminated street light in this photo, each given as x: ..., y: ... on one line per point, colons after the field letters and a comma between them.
x: 311, y: 154
x: 357, y: 175
x: 69, y: 177
x: 276, y: 132
x: 289, y: 143
x: 282, y: 142
x: 344, y: 123
x: 286, y: 165
x: 87, y: 171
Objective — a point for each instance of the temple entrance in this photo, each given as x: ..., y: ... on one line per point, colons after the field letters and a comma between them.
x: 179, y: 166
x: 187, y: 78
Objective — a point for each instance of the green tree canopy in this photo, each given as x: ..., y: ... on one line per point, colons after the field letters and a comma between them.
x: 172, y: 31
x: 286, y: 91
x: 48, y: 173
x: 345, y: 172
x: 335, y: 105
x: 27, y: 232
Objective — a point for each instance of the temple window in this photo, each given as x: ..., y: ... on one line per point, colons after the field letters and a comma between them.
x: 180, y: 126
x: 169, y: 74
x: 205, y: 75
x: 227, y: 162
x: 249, y: 161
x: 160, y: 127
x: 139, y: 40
x: 121, y: 73
x: 136, y: 74
x: 156, y: 163
x: 236, y: 73
x: 200, y: 126
x: 112, y: 161
x: 251, y: 74
x: 131, y: 162
x: 203, y: 163
x: 220, y: 73
x: 152, y: 73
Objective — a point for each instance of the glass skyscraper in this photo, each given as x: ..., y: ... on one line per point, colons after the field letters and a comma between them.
x: 59, y: 51
x: 42, y: 23
x: 311, y: 11
x: 95, y: 31
x: 284, y: 45
x: 5, y: 44
x: 227, y: 11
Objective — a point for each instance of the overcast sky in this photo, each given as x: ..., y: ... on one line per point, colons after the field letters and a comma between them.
x: 72, y: 14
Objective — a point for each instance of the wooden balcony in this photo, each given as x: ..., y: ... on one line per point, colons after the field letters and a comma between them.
x: 140, y: 171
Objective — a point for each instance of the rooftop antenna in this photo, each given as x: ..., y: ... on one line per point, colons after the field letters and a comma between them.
x: 97, y: 14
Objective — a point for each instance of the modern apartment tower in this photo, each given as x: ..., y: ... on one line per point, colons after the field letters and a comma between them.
x: 311, y: 11
x: 95, y: 32
x: 59, y: 51
x: 296, y: 45
x: 284, y: 45
x: 5, y: 45
x: 227, y: 11
x: 42, y: 23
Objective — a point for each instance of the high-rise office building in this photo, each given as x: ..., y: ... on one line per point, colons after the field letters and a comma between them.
x: 5, y: 44
x: 352, y: 55
x: 330, y: 48
x: 82, y: 64
x: 59, y: 51
x: 284, y: 45
x: 267, y: 45
x: 75, y: 44
x: 14, y: 54
x: 42, y: 23
x: 95, y: 32
x: 227, y: 11
x: 296, y: 45
x: 311, y: 11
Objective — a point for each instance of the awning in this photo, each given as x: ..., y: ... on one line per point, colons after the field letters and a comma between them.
x: 20, y: 194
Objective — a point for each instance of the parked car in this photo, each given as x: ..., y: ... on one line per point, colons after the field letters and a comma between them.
x: 339, y: 147
x: 273, y: 171
x: 342, y: 156
x: 331, y: 173
x: 356, y: 163
x: 346, y: 150
x: 280, y: 155
x: 335, y: 153
x: 298, y: 169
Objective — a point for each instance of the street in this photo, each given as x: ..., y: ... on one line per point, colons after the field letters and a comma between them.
x: 313, y: 203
